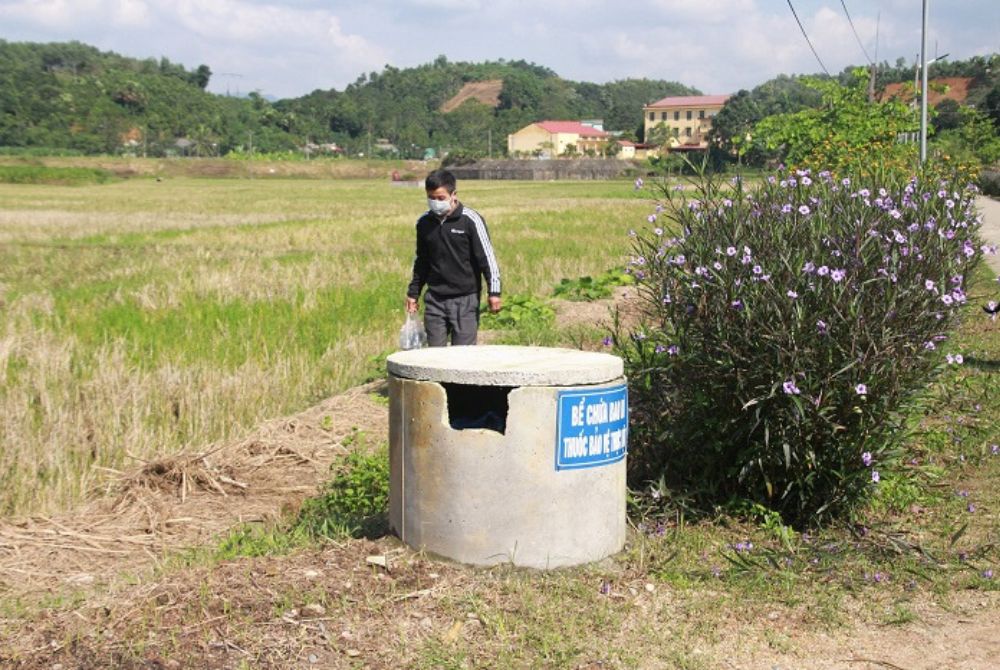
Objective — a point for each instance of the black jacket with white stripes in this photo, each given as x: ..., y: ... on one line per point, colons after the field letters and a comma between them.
x: 453, y: 255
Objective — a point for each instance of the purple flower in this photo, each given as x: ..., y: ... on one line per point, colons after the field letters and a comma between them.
x: 930, y: 285
x: 861, y: 389
x: 736, y: 304
x: 866, y: 458
x: 730, y: 251
x: 823, y: 271
x: 790, y: 388
x: 786, y: 209
x: 971, y: 508
x: 638, y: 183
x: 806, y: 181
x: 947, y: 299
x: 606, y: 341
x: 995, y: 449
x: 743, y: 547
x: 659, y: 349
x: 717, y: 265
x: 987, y: 574
x: 658, y: 231
x: 757, y: 269
x: 875, y: 477
x: 808, y: 267
x: 804, y: 210
x: 837, y: 275
x: 821, y: 327
x: 727, y: 203
x: 792, y: 294
x: 955, y: 359
x: 673, y: 350
x: 651, y: 218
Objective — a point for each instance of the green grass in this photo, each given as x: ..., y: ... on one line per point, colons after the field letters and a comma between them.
x: 65, y: 176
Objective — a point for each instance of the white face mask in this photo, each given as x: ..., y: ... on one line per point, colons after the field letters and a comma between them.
x: 439, y: 207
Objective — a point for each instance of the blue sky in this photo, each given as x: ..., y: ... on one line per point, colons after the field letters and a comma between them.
x: 288, y: 48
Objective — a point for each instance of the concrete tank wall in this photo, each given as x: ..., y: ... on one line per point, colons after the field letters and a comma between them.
x: 482, y: 497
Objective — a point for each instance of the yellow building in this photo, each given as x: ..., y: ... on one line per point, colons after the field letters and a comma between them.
x: 549, y: 139
x: 686, y: 120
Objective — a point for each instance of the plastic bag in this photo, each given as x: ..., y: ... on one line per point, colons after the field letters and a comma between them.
x: 412, y: 335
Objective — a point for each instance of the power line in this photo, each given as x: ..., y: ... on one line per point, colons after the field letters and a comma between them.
x: 844, y: 5
x: 807, y: 38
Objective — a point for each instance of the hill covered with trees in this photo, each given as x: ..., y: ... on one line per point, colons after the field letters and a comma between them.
x: 71, y: 96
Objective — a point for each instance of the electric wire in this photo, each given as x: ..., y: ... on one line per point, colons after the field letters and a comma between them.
x: 807, y: 38
x: 853, y: 30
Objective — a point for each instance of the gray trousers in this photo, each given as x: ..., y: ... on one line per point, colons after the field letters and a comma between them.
x: 457, y: 317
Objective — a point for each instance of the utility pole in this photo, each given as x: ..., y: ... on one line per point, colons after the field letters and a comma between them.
x: 923, y: 85
x: 230, y: 75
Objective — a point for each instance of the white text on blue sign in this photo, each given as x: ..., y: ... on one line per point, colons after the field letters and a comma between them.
x: 591, y: 427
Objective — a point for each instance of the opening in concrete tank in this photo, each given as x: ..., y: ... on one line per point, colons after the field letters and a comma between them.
x: 471, y: 406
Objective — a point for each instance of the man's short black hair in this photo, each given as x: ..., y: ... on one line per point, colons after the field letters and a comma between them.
x: 439, y: 178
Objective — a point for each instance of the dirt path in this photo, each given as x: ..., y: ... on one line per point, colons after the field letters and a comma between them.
x: 990, y: 231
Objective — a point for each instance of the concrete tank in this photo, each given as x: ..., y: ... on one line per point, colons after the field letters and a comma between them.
x: 504, y: 454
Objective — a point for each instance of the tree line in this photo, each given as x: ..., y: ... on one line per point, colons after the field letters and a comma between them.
x: 74, y: 97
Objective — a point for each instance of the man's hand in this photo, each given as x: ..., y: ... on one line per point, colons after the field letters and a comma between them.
x: 494, y: 302
x: 411, y: 305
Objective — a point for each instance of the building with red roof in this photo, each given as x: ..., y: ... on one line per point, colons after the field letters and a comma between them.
x: 548, y: 139
x: 682, y: 122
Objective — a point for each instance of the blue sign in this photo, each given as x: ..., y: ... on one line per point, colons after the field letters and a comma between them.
x: 591, y: 427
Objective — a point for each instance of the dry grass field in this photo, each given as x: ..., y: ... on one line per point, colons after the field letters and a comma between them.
x: 143, y: 317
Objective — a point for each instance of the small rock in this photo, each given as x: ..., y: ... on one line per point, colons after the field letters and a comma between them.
x: 313, y: 658
x: 312, y: 574
x: 380, y: 561
x: 314, y: 609
x: 426, y: 622
x: 650, y: 588
x: 353, y: 653
x: 433, y: 575
x: 347, y: 635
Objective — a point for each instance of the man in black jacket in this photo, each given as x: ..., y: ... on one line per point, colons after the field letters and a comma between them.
x: 454, y: 255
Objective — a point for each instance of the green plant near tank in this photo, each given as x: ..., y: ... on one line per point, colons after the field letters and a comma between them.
x: 355, y: 502
x: 519, y: 311
x: 589, y: 288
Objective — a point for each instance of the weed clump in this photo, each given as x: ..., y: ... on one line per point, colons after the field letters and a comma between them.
x: 787, y: 329
x: 354, y: 503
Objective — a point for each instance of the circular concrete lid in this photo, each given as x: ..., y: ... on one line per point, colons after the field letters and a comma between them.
x: 501, y: 365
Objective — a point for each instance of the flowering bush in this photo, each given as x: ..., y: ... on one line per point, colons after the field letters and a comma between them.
x: 785, y: 330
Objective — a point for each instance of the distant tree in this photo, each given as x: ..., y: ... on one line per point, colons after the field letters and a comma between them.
x: 201, y: 76
x: 732, y: 127
x: 846, y: 130
x: 947, y: 115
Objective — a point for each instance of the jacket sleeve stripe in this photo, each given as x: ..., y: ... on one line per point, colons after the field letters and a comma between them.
x: 491, y: 258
